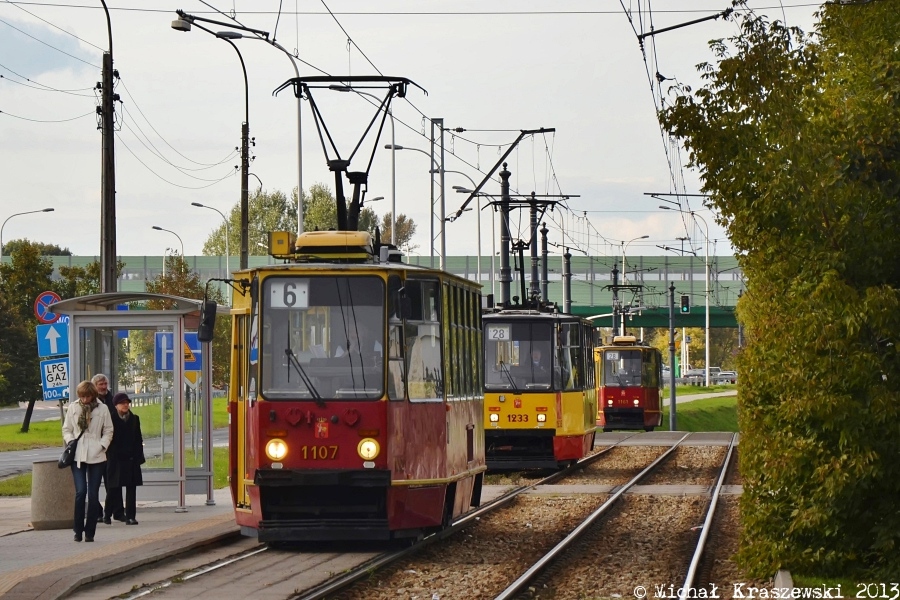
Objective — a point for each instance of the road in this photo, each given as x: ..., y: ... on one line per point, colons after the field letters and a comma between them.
x: 20, y: 461
x: 43, y: 411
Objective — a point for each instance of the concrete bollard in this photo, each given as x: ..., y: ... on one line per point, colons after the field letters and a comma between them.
x: 52, y: 496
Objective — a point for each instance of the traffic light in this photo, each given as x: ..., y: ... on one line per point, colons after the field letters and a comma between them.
x: 685, y: 304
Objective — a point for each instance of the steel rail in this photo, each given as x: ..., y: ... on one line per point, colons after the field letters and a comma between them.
x: 529, y: 575
x: 707, y: 523
x: 338, y: 584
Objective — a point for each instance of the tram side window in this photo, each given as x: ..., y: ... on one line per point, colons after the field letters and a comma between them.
x: 396, y: 359
x: 652, y: 369
x: 571, y: 357
x: 423, y: 340
x: 589, y: 356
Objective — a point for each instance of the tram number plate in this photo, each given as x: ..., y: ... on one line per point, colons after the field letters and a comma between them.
x: 498, y: 333
x: 318, y: 452
x: 517, y: 418
x: 289, y: 293
x: 613, y: 356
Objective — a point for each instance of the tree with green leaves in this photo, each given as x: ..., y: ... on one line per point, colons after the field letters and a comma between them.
x: 267, y: 211
x: 22, y: 280
x: 406, y: 229
x: 44, y: 249
x: 797, y: 144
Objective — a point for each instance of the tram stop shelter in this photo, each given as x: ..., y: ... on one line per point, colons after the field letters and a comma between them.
x: 146, y: 344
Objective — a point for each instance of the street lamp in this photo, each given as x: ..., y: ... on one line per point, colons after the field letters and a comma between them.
x: 624, y: 270
x: 16, y: 215
x: 227, y: 269
x: 443, y: 216
x: 158, y: 228
x: 234, y: 35
x: 184, y: 23
x: 478, y: 217
x: 346, y: 88
x: 706, y: 293
x: 461, y: 190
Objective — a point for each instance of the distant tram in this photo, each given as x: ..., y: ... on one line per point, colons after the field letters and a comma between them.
x: 629, y: 385
x: 356, y: 393
x: 539, y: 390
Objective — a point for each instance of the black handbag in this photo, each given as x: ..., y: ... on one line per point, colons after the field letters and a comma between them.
x: 68, y: 454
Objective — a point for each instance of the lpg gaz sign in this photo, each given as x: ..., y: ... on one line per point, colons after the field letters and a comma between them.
x: 55, y: 376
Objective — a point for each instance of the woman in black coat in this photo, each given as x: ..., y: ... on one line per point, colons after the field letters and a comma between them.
x: 125, y: 457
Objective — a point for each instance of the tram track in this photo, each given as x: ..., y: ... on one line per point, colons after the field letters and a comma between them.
x: 571, y: 567
x: 506, y: 535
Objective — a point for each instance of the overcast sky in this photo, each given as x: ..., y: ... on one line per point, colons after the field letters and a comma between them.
x: 492, y: 68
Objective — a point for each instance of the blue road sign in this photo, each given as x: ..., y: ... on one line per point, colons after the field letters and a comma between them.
x: 55, y: 378
x: 52, y: 339
x: 164, y: 351
x: 42, y: 307
x: 192, y: 356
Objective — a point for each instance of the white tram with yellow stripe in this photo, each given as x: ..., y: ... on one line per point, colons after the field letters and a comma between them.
x: 356, y: 393
x: 539, y: 390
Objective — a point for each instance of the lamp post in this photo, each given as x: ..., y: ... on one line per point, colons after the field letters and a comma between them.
x: 16, y: 215
x: 227, y: 253
x: 158, y: 228
x: 706, y: 292
x: 439, y: 168
x: 478, y: 218
x: 346, y: 88
x: 624, y: 270
x: 462, y: 190
x: 184, y: 24
x: 234, y: 35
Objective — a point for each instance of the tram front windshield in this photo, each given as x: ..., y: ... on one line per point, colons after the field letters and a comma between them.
x: 322, y: 338
x: 518, y: 356
x: 622, y: 368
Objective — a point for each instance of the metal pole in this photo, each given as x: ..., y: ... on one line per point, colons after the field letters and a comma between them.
x: 615, y: 300
x: 440, y: 123
x: 505, y: 275
x: 567, y: 282
x: 535, y: 283
x: 108, y: 271
x: 493, y: 250
x: 478, y: 262
x: 545, y: 255
x: 706, y: 293
x: 672, y: 418
x: 393, y: 183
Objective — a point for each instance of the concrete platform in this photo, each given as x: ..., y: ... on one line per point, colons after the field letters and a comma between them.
x: 50, y: 564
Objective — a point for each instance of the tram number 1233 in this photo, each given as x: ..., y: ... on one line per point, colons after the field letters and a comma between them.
x: 318, y: 452
x: 517, y: 418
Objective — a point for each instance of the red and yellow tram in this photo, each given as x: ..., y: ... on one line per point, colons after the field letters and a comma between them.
x: 629, y: 385
x: 539, y: 392
x: 356, y: 397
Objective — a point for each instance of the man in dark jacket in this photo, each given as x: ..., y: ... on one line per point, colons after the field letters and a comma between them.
x: 104, y: 395
x: 124, y: 459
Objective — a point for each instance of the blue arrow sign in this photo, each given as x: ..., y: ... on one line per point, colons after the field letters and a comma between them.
x: 52, y: 339
x: 164, y: 351
x: 55, y: 378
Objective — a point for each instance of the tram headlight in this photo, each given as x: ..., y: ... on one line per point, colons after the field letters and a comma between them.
x: 368, y: 449
x: 276, y: 449
x: 542, y: 418
x: 636, y: 401
x: 495, y: 418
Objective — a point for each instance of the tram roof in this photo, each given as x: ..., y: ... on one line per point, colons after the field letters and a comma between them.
x: 381, y: 266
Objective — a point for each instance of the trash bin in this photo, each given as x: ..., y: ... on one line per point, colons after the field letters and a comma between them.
x: 52, y: 496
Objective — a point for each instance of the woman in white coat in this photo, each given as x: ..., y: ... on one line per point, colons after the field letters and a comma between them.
x: 92, y: 417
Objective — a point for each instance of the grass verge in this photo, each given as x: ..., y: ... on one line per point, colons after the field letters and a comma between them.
x: 710, y: 414
x: 48, y: 434
x: 20, y: 485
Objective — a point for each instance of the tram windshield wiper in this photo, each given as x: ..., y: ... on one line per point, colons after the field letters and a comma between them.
x: 505, y: 370
x: 295, y: 362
